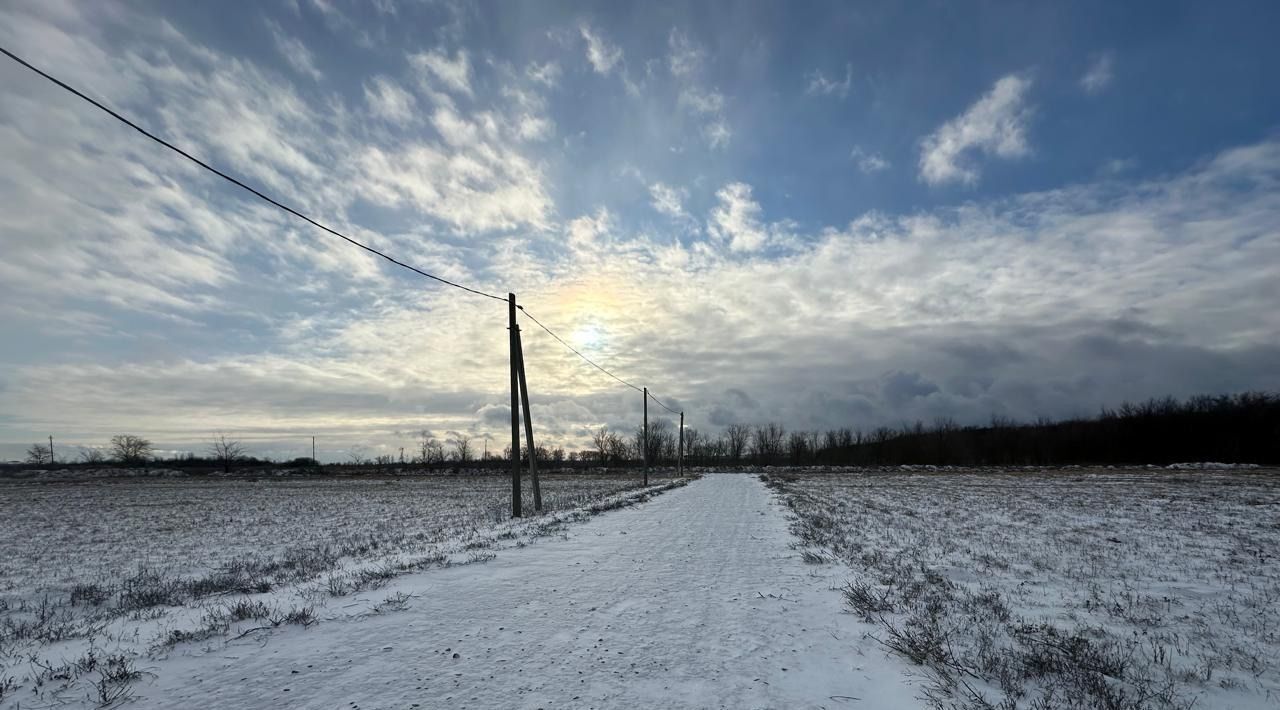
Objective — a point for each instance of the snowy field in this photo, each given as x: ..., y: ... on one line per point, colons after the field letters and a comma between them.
x: 1066, y: 589
x: 97, y: 575
x: 698, y: 598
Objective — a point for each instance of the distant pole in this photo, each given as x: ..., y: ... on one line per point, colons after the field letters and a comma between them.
x: 51, y: 459
x: 515, y: 404
x: 528, y: 426
x: 313, y: 449
x: 680, y: 456
x: 644, y: 443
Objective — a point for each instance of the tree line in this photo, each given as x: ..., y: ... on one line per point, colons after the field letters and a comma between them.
x: 1239, y: 428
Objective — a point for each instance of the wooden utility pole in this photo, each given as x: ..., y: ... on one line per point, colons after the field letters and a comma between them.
x: 680, y: 456
x: 644, y: 443
x: 515, y: 404
x: 528, y: 426
x: 313, y: 450
x: 51, y: 458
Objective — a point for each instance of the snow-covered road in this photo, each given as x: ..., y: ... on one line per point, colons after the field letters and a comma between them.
x: 694, y: 599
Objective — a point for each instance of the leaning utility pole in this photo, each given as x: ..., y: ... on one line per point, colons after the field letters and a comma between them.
x: 644, y: 443
x: 680, y: 456
x: 515, y: 404
x: 528, y: 426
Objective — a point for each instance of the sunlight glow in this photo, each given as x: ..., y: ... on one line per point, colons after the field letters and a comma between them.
x: 588, y: 336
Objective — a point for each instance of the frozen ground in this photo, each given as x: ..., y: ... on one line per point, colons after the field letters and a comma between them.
x: 55, y: 536
x: 1062, y: 589
x: 695, y: 599
x: 103, y: 571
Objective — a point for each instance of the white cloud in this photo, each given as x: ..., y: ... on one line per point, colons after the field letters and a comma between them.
x: 685, y: 57
x: 534, y: 128
x: 1099, y: 75
x: 484, y: 187
x: 737, y: 219
x: 547, y: 74
x: 820, y: 85
x: 704, y: 102
x: 868, y: 162
x: 1047, y: 303
x: 717, y: 134
x: 1116, y: 166
x: 996, y: 124
x: 454, y: 72
x: 668, y: 200
x: 387, y: 100
x: 585, y: 231
x: 294, y: 52
x: 708, y: 105
x: 602, y: 55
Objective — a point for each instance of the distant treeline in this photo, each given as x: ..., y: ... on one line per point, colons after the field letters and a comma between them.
x: 1242, y: 428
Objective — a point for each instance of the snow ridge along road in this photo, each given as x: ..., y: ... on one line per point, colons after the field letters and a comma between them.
x: 695, y: 599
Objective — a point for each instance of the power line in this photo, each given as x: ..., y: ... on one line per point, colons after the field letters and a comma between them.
x: 592, y: 362
x: 575, y: 350
x: 236, y: 182
x: 660, y: 404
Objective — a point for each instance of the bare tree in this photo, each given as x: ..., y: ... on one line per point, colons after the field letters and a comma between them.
x: 39, y: 454
x: 616, y: 448
x: 661, y: 442
x: 717, y: 448
x: 692, y: 444
x: 600, y: 439
x: 127, y: 448
x: 767, y: 442
x: 225, y: 451
x: 461, y: 448
x: 430, y: 449
x: 798, y: 447
x: 92, y: 455
x: 356, y: 456
x: 736, y: 437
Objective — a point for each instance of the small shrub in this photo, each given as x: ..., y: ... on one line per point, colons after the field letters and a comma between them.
x: 148, y: 588
x: 115, y: 676
x: 393, y: 602
x: 338, y: 585
x: 245, y: 609
x: 813, y: 558
x: 303, y: 616
x: 867, y: 600
x: 89, y: 594
x: 372, y: 577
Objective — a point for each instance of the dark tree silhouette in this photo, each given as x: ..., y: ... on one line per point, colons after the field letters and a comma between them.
x: 130, y: 449
x: 736, y: 437
x: 225, y: 451
x: 39, y: 455
x: 461, y: 448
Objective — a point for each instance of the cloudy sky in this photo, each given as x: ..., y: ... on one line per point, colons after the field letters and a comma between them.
x: 844, y: 214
